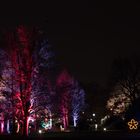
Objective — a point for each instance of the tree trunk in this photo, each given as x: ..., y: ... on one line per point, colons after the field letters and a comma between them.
x: 64, y: 121
x: 14, y: 127
x: 67, y: 120
x: 18, y: 127
x: 50, y: 121
x: 2, y: 126
x: 8, y: 126
x: 74, y: 121
x: 25, y: 126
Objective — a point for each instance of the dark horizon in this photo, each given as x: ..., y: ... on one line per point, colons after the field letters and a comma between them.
x: 87, y: 36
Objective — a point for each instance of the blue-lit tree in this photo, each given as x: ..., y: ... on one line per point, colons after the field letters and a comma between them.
x: 41, y: 88
x: 78, y: 102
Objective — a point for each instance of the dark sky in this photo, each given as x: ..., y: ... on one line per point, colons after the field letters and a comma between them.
x: 87, y: 36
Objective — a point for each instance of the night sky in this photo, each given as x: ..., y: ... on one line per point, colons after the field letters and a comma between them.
x: 87, y: 36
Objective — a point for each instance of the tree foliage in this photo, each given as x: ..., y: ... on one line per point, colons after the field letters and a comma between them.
x: 125, y: 88
x: 26, y: 89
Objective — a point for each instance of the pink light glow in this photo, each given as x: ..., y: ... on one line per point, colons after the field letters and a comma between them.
x: 2, y: 126
x: 18, y: 126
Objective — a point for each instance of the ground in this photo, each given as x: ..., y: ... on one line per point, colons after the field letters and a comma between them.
x: 78, y: 136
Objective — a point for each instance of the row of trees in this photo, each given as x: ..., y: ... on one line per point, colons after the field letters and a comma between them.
x: 26, y: 92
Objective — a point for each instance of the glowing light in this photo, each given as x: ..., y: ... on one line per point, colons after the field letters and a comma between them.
x: 61, y: 128
x: 45, y: 125
x: 31, y: 119
x: 104, y: 129
x: 96, y: 126
x: 133, y: 124
x: 40, y: 131
x: 75, y: 120
x: 2, y: 126
x: 50, y: 123
x: 17, y: 128
x: 93, y: 114
x: 8, y: 126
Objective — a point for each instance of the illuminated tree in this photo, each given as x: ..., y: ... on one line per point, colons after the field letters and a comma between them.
x: 4, y: 110
x: 20, y: 44
x: 6, y: 88
x: 126, y: 74
x: 40, y: 96
x: 78, y: 102
x: 125, y: 85
x: 71, y: 96
x: 41, y: 88
x: 26, y: 89
x: 119, y: 102
x: 64, y: 86
x: 25, y: 74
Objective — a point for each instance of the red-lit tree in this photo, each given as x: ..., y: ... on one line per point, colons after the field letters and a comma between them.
x: 64, y: 86
x: 20, y: 44
x: 29, y: 59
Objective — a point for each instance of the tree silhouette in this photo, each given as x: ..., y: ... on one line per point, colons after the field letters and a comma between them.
x: 125, y: 84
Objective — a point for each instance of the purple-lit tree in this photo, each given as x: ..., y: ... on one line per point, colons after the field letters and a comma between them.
x: 4, y: 111
x: 43, y: 60
x: 78, y: 102
x: 6, y: 87
x: 40, y: 97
